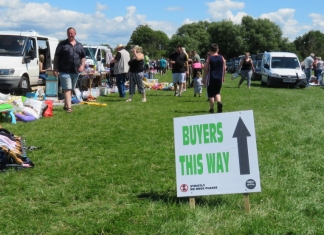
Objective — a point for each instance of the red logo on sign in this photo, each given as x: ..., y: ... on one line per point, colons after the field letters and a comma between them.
x: 184, y: 188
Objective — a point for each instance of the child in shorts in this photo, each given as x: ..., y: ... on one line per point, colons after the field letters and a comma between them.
x: 198, y: 84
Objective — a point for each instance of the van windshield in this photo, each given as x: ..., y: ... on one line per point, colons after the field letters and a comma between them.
x: 12, y: 45
x: 88, y: 51
x: 285, y: 63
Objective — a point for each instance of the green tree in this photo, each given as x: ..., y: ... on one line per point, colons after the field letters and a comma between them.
x: 143, y: 36
x: 154, y: 42
x: 261, y: 35
x: 161, y: 42
x: 198, y: 32
x: 311, y: 42
x: 183, y: 40
x: 287, y: 46
x: 228, y: 37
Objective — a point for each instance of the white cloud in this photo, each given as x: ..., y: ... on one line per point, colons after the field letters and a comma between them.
x: 101, y: 7
x: 286, y: 21
x: 222, y: 9
x: 10, y: 3
x: 285, y: 18
x: 318, y: 21
x: 174, y: 9
x: 187, y: 21
x: 91, y: 29
x: 168, y: 28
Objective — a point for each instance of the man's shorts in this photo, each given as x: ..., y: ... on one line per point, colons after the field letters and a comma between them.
x: 68, y: 80
x: 179, y: 77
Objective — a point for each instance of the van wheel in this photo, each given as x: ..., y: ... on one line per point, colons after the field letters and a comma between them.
x: 270, y: 83
x: 24, y: 83
x: 262, y: 82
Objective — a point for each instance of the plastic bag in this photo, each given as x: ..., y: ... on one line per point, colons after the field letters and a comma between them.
x: 234, y: 75
x: 85, y: 94
x: 36, y: 105
x: 78, y: 94
x: 49, y: 111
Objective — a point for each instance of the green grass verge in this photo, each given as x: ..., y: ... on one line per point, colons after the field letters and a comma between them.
x: 111, y: 170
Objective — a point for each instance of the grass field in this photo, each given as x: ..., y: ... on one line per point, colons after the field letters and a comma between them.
x: 111, y: 170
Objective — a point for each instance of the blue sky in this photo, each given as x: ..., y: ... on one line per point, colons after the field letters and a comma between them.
x: 113, y: 22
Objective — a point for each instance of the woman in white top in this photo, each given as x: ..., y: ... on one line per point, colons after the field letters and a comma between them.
x: 319, y: 69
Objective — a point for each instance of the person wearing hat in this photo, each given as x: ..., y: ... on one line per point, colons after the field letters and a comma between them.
x: 121, y: 68
x: 308, y: 62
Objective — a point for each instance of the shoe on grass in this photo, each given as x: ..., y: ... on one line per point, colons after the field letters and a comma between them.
x: 219, y: 107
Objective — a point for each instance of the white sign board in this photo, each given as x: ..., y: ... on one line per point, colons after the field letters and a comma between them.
x: 216, y: 154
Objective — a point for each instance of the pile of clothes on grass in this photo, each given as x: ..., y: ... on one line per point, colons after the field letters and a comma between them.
x: 20, y: 108
x: 13, y: 151
x: 153, y: 84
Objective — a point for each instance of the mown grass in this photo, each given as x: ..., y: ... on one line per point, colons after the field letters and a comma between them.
x: 111, y: 170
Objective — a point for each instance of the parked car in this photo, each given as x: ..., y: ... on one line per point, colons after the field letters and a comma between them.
x: 253, y: 57
x: 19, y: 58
x: 281, y: 68
x: 229, y: 65
x: 236, y: 63
x: 257, y: 74
x: 96, y: 55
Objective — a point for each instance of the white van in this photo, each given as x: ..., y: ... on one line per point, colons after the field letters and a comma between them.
x: 281, y: 68
x: 19, y: 58
x: 97, y: 55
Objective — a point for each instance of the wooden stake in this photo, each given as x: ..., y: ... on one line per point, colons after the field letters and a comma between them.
x: 246, y: 202
x: 192, y: 202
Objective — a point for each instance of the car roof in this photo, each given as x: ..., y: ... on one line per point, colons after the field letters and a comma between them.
x: 281, y: 54
x: 30, y: 33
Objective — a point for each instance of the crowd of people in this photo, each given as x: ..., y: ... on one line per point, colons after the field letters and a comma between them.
x: 69, y: 62
x: 317, y: 65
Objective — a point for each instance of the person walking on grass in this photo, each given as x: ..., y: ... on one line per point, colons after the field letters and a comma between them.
x: 308, y: 67
x: 178, y: 60
x: 214, y: 70
x: 319, y: 69
x: 184, y: 85
x: 163, y: 66
x: 121, y: 68
x: 69, y: 62
x: 136, y: 74
x: 198, y: 84
x: 247, y: 69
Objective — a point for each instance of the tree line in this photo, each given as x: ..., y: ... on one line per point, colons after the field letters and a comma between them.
x: 252, y: 35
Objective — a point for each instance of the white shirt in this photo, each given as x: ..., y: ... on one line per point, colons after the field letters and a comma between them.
x: 309, y: 62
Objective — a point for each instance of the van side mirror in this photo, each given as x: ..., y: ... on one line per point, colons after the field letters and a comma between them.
x: 31, y: 54
x: 98, y: 58
x: 266, y: 66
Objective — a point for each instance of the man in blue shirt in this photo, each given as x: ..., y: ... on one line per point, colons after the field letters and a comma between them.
x: 163, y: 65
